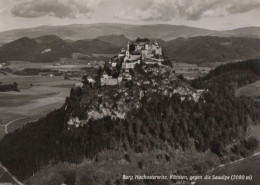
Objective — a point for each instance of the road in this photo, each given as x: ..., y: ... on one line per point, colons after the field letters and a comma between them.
x: 7, y: 177
x: 6, y: 125
x: 25, y: 120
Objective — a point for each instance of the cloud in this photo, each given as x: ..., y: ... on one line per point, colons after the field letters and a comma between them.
x: 244, y: 6
x: 166, y: 10
x: 143, y: 10
x: 56, y: 8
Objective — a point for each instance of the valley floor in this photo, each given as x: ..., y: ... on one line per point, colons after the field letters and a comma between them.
x: 38, y: 97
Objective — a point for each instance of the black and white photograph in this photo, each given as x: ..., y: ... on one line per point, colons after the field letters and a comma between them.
x: 129, y: 92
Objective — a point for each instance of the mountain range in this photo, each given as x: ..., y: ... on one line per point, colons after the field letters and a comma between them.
x: 199, y: 50
x: 41, y: 49
x: 51, y: 48
x: 91, y: 31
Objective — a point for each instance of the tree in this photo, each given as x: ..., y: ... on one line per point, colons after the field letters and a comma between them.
x: 252, y: 143
x: 132, y: 48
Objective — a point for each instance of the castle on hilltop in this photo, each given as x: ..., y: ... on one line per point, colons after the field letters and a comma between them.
x: 142, y: 50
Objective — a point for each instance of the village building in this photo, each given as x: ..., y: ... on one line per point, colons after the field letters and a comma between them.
x: 119, y: 79
x: 56, y: 64
x: 130, y: 64
x: 107, y: 80
x: 106, y: 76
x: 153, y: 61
x: 46, y: 50
x: 113, y: 64
x: 74, y: 121
x: 121, y: 55
x: 91, y: 80
x: 110, y: 81
x: 50, y: 74
x: 126, y: 76
x: 79, y: 84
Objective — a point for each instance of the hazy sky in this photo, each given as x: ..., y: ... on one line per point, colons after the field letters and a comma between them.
x: 210, y: 14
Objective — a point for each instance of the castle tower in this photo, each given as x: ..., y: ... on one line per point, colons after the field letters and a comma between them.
x: 128, y: 46
x: 127, y: 53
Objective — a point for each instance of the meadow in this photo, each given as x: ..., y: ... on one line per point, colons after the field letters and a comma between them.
x: 249, y: 90
x: 38, y: 96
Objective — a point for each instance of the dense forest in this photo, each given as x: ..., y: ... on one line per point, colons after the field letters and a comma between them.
x: 209, y: 49
x: 216, y: 121
x: 9, y: 87
x: 233, y: 75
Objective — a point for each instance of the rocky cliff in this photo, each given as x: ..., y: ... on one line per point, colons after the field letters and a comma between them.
x: 156, y: 124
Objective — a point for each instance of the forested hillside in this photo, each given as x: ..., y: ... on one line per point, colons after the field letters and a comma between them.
x: 161, y: 125
x: 208, y: 49
x: 51, y: 48
x: 235, y: 74
x: 43, y: 49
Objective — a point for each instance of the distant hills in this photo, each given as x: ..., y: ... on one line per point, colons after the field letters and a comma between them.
x: 91, y: 31
x: 116, y: 40
x: 50, y: 48
x: 95, y: 46
x: 40, y: 49
x: 240, y: 32
x: 210, y: 49
x: 199, y: 50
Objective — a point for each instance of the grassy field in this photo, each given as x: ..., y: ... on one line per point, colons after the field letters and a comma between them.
x: 20, y: 65
x: 11, y: 100
x: 249, y: 90
x: 255, y: 132
x: 38, y: 95
x: 34, y: 101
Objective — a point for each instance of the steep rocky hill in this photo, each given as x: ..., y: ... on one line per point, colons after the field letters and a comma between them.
x: 156, y: 124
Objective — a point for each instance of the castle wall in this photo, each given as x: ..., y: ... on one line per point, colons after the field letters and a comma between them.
x: 112, y: 81
x: 158, y: 51
x: 144, y: 53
